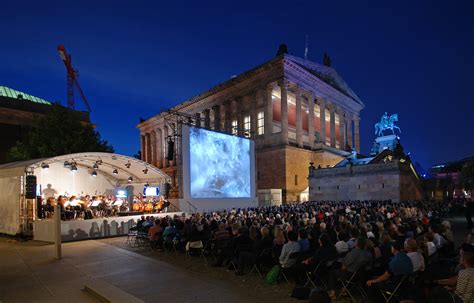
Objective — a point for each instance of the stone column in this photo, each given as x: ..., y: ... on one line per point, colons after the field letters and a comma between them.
x: 299, y: 118
x: 239, y: 110
x: 217, y: 117
x: 159, y: 148
x: 284, y: 111
x: 356, y: 133
x: 332, y: 124
x: 268, y: 115
x: 311, y: 120
x: 207, y: 118
x: 228, y: 118
x: 165, y: 150
x: 143, y: 147
x: 153, y: 148
x: 147, y: 148
x: 198, y: 119
x: 322, y: 116
x: 349, y: 130
x: 253, y: 114
x: 342, y: 129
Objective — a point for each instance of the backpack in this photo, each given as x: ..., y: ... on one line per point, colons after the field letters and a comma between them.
x: 272, y: 275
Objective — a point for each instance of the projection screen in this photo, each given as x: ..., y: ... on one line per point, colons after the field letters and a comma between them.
x: 217, y: 165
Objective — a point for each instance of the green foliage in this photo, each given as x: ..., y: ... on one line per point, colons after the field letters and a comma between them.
x: 59, y: 132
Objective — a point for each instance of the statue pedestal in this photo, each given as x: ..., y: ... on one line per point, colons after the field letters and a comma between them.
x: 383, y: 143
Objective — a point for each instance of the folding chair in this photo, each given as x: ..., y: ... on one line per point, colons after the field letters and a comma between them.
x: 198, y: 247
x: 264, y: 253
x: 313, y: 275
x: 354, y: 282
x: 293, y: 256
x: 389, y: 294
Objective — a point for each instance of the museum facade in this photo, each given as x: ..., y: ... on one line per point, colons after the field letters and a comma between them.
x: 297, y: 111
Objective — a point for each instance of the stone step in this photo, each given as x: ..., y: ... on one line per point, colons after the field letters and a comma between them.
x: 106, y: 292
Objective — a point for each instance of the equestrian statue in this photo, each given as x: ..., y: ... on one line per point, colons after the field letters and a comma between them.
x: 386, y: 122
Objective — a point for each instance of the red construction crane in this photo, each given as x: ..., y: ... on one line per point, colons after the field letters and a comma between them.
x: 72, y: 81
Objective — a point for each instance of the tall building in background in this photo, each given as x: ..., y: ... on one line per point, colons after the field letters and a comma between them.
x: 17, y: 113
x: 297, y: 111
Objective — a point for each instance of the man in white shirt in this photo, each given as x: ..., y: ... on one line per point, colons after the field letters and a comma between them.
x: 411, y: 248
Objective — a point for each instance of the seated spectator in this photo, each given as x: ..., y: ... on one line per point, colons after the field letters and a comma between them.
x: 341, y: 245
x: 303, y: 240
x: 397, y: 268
x: 289, y: 248
x: 154, y: 233
x: 222, y: 233
x: 463, y: 283
x: 355, y: 260
x: 411, y: 248
x: 430, y: 245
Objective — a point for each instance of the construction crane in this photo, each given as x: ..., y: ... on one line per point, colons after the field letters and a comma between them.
x: 72, y: 81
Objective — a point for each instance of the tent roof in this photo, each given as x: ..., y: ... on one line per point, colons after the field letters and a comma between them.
x: 140, y: 171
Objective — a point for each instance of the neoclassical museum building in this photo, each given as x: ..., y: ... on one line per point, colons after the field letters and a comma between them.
x: 297, y: 111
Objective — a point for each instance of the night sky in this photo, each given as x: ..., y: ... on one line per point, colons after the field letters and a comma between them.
x: 135, y: 58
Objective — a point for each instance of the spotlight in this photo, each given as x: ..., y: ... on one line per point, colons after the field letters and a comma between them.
x: 130, y: 179
x: 94, y: 174
x: 115, y: 172
x: 128, y: 164
x: 73, y: 167
x: 44, y: 166
x: 145, y: 171
x: 147, y: 184
x: 96, y: 166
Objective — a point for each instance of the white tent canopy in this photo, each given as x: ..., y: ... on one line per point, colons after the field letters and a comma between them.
x: 88, y: 173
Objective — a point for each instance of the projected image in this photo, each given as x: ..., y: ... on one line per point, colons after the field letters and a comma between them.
x: 219, y: 164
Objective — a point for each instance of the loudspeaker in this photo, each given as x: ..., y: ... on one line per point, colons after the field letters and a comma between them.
x: 30, y: 187
x: 170, y: 156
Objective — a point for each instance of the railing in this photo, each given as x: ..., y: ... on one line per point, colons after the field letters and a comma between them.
x: 192, y: 208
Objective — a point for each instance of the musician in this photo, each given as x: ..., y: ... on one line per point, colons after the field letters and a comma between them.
x: 166, y: 204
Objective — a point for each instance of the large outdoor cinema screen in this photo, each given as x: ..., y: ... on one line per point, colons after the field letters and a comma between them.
x: 220, y: 165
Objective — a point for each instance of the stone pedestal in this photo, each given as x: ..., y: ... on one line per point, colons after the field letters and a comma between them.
x: 383, y: 143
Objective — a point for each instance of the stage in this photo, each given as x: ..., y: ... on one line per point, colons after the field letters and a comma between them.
x: 74, y: 230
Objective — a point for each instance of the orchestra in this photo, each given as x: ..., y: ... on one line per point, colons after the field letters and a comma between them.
x: 102, y: 206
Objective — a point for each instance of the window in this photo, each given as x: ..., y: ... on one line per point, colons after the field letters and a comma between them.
x: 247, y: 126
x: 359, y: 186
x: 296, y: 179
x: 338, y: 187
x: 234, y: 127
x: 260, y: 123
x: 383, y: 185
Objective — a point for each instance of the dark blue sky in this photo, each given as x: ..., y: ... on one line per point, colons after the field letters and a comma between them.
x: 135, y: 58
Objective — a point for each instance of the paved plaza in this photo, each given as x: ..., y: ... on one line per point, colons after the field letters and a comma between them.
x: 29, y: 273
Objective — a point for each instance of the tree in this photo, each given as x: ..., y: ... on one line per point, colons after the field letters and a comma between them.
x: 58, y: 132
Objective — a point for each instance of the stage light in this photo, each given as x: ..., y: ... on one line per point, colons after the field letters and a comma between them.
x: 115, y: 172
x: 147, y: 184
x: 94, y: 174
x: 130, y: 179
x: 128, y: 164
x: 44, y: 166
x: 145, y: 171
x: 73, y: 167
x: 96, y: 166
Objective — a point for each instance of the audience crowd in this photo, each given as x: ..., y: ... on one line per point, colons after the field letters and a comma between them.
x: 365, y: 249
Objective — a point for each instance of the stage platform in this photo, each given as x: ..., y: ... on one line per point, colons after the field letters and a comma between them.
x: 75, y: 230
